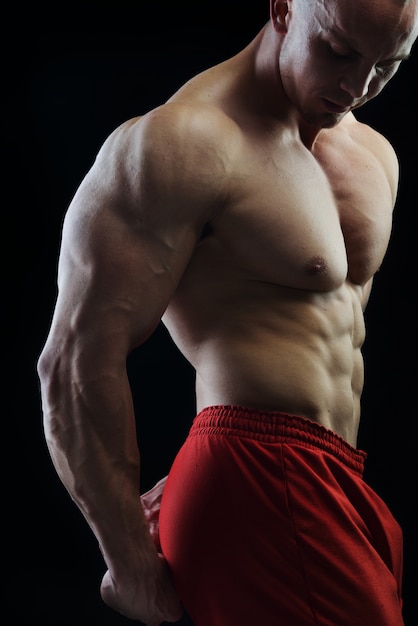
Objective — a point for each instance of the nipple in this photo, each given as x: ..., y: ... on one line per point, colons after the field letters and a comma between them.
x: 316, y: 265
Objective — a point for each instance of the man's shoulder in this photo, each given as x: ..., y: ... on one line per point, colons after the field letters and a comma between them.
x: 192, y: 121
x: 352, y: 137
x: 178, y: 131
x: 368, y: 137
x: 178, y: 154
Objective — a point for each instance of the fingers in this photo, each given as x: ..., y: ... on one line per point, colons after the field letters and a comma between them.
x: 154, y: 602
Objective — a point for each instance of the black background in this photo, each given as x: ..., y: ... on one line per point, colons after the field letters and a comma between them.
x: 69, y: 78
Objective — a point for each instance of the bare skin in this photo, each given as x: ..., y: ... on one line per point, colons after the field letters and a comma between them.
x: 250, y: 213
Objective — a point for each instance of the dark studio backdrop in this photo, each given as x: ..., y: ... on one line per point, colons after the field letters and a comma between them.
x: 82, y: 72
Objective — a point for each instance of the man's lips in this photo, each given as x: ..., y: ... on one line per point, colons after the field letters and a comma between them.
x: 334, y: 107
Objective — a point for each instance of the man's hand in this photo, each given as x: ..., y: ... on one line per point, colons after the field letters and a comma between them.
x: 150, y: 599
x: 151, y: 502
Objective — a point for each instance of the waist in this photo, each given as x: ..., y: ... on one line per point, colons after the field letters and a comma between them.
x: 295, y: 382
x: 276, y: 427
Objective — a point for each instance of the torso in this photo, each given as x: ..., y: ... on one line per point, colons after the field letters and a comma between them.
x: 269, y: 311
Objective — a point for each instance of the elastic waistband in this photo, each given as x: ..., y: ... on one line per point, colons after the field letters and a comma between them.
x: 276, y: 427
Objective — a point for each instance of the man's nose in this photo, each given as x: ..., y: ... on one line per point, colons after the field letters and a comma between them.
x: 357, y: 83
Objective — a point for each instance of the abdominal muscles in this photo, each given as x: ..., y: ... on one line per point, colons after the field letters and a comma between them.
x: 276, y: 348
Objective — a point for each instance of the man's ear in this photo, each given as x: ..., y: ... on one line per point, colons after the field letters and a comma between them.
x: 279, y: 14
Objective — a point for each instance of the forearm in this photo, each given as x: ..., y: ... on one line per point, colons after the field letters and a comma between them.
x: 91, y: 435
x: 90, y: 432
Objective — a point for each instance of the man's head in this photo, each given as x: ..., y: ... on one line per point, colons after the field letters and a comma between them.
x: 337, y: 55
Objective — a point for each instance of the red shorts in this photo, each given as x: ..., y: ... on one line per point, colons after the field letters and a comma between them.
x: 266, y: 519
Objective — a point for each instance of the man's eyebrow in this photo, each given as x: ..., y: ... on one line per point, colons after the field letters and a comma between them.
x: 401, y: 57
x: 335, y: 32
x: 398, y: 59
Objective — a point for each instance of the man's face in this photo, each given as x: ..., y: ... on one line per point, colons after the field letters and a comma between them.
x: 338, y: 55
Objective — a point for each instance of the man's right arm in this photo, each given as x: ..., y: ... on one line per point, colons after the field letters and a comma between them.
x: 127, y: 238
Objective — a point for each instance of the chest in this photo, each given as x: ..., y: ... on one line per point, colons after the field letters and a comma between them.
x: 309, y: 220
